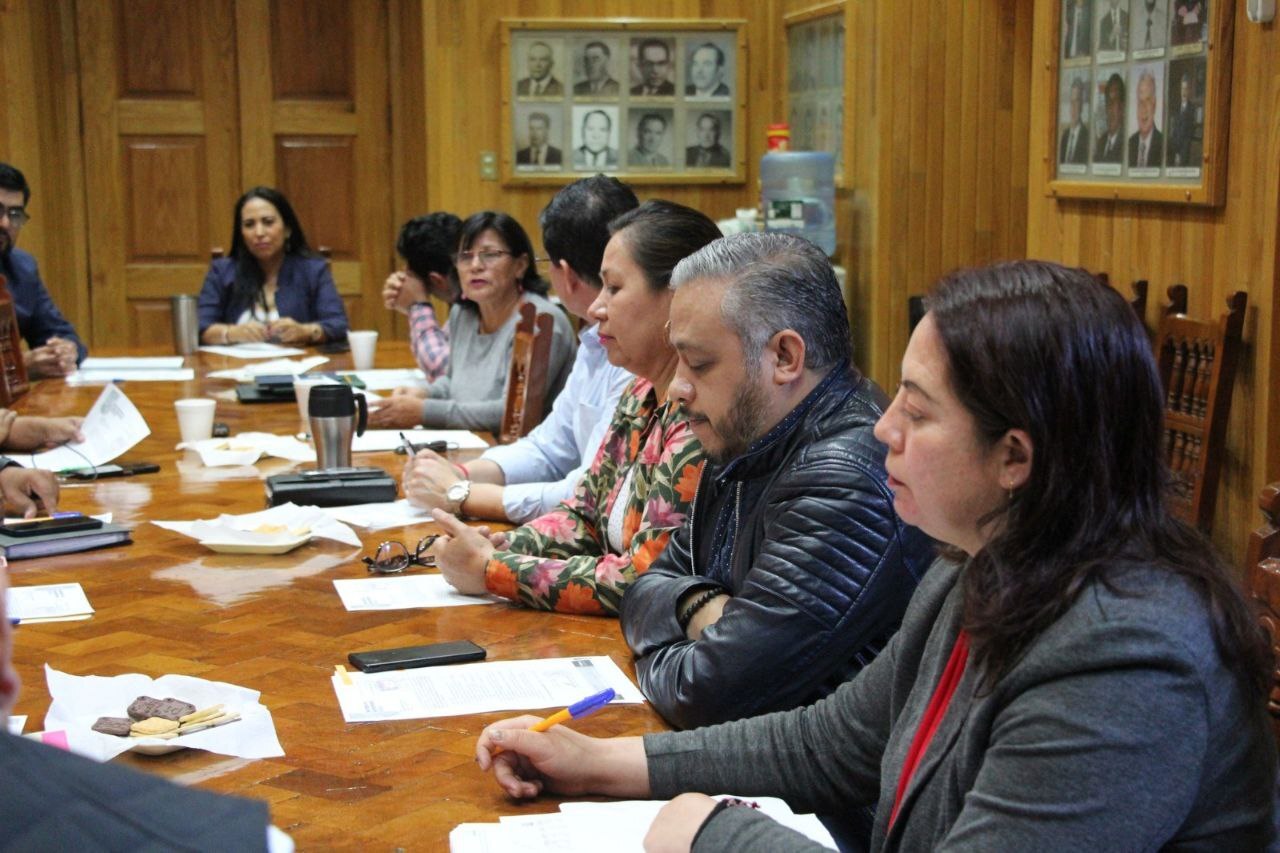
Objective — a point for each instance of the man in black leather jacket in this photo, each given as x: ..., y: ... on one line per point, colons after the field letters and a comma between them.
x: 793, y: 569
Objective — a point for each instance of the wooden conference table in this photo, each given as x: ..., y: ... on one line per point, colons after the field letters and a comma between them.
x: 275, y: 624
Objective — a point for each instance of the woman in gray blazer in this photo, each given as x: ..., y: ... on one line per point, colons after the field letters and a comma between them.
x: 1077, y: 672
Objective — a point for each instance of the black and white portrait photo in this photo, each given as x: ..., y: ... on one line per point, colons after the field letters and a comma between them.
x: 595, y: 138
x: 539, y: 138
x: 708, y: 68
x: 593, y: 68
x: 653, y: 67
x: 650, y: 135
x: 709, y: 135
x: 541, y: 63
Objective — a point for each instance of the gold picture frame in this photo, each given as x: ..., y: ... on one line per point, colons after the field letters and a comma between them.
x: 653, y: 101
x: 1140, y: 96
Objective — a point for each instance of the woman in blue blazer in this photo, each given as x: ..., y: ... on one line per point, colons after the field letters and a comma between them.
x: 272, y: 287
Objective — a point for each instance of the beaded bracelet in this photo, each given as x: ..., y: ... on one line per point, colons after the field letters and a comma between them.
x: 698, y: 603
x: 726, y: 803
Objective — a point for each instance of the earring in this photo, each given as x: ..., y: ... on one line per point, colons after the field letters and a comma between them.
x: 1010, y: 488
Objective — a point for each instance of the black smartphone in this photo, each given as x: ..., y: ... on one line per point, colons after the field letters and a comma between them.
x: 333, y: 347
x: 409, y: 657
x: 39, y: 527
x: 119, y: 469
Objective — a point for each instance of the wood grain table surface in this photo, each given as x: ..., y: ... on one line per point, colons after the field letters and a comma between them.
x: 275, y: 624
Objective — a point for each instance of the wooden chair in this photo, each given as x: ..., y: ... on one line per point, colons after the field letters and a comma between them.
x: 1197, y: 369
x: 527, y: 378
x: 13, y: 367
x: 1262, y: 578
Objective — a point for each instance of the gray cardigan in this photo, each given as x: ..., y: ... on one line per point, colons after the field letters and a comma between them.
x: 472, y: 394
x: 1118, y: 729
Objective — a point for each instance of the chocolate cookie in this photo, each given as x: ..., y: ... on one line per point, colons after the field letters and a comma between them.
x: 145, y: 707
x: 118, y: 726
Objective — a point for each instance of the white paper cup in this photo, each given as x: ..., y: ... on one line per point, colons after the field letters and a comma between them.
x: 195, y: 418
x: 302, y: 386
x: 363, y: 346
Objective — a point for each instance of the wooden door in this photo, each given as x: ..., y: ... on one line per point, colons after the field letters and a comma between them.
x: 314, y: 107
x: 161, y: 166
x: 186, y: 105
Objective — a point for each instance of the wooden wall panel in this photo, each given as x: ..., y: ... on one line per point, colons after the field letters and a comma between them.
x: 166, y: 201
x: 311, y: 49
x: 318, y: 176
x: 155, y: 60
x: 1215, y: 251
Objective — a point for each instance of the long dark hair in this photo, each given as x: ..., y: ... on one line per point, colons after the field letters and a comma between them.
x: 513, y: 235
x: 1050, y: 350
x: 247, y: 289
x: 660, y: 234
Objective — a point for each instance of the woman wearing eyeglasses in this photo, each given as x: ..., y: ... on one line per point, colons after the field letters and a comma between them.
x: 497, y: 273
x: 582, y: 556
x: 1077, y: 672
x: 272, y: 287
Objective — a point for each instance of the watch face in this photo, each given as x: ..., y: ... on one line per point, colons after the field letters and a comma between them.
x: 458, y: 491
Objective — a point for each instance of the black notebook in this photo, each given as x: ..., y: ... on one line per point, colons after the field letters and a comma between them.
x: 26, y: 547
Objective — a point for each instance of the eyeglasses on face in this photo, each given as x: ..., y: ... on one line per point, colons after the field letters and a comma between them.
x: 392, y: 557
x: 487, y: 258
x: 17, y: 215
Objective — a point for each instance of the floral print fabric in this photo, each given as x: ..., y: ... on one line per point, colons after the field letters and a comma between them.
x: 560, y: 561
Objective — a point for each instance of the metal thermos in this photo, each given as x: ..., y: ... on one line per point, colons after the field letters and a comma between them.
x: 336, y: 413
x: 186, y: 324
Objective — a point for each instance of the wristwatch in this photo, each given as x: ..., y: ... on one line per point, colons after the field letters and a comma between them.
x: 457, y: 495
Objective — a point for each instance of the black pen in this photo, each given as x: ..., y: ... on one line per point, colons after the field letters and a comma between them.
x: 407, y: 447
x: 438, y: 446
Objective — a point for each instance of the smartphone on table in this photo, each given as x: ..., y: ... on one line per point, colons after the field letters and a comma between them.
x: 409, y: 657
x: 60, y: 523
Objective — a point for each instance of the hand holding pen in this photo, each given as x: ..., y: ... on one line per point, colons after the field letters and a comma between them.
x: 526, y: 762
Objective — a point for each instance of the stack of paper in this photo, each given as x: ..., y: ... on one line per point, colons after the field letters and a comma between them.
x: 580, y: 827
x: 386, y: 379
x: 404, y: 593
x: 375, y: 440
x: 474, y: 688
x: 275, y: 367
x: 57, y: 602
x: 96, y: 371
x: 256, y: 349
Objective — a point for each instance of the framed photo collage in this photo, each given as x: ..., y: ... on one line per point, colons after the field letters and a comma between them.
x: 656, y: 101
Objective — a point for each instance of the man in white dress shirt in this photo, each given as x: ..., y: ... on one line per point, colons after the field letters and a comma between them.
x: 520, y: 481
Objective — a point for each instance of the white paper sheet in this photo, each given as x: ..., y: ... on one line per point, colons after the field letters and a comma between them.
x: 403, y: 593
x: 248, y: 447
x: 164, y: 362
x: 99, y: 371
x: 17, y: 723
x: 112, y: 426
x: 474, y: 688
x: 48, y: 602
x: 79, y: 701
x: 380, y: 516
x: 388, y: 378
x: 375, y: 440
x: 277, y: 367
x: 580, y: 827
x: 240, y: 528
x: 259, y: 349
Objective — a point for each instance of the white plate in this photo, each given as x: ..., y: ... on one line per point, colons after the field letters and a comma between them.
x: 281, y: 546
x: 155, y: 747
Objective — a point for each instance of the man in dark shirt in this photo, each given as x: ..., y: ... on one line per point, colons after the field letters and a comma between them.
x: 54, y: 347
x: 708, y: 153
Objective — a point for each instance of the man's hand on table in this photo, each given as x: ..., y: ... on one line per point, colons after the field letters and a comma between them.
x: 32, y: 433
x: 462, y: 553
x: 27, y: 490
x: 399, y: 411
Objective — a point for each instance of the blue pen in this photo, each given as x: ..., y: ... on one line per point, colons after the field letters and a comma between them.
x: 576, y: 711
x: 13, y: 621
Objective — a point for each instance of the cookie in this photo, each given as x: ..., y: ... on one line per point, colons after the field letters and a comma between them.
x: 118, y: 726
x: 153, y: 726
x: 145, y: 707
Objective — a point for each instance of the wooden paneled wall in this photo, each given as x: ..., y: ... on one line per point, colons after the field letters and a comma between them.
x: 1214, y: 251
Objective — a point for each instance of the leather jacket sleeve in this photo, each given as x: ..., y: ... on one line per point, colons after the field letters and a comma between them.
x: 828, y: 578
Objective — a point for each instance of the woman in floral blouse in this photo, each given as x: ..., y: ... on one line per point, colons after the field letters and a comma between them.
x: 582, y: 556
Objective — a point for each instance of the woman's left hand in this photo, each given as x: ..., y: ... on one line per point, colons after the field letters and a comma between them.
x: 677, y: 823
x: 287, y: 330
x: 462, y: 554
x: 395, y: 412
